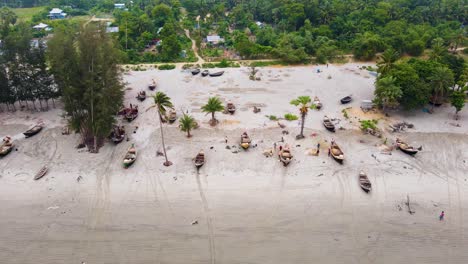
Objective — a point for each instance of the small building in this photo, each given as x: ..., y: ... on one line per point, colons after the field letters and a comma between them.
x: 119, y: 6
x: 56, y: 13
x: 214, y: 39
x: 259, y: 24
x: 112, y: 29
x: 42, y: 26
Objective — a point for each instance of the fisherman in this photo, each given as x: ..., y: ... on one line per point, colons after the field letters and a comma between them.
x: 441, y: 216
x: 329, y: 152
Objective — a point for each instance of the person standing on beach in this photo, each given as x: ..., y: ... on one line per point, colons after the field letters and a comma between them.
x: 329, y: 152
x: 441, y: 216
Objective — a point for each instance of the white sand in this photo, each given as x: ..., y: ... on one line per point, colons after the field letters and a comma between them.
x: 250, y: 209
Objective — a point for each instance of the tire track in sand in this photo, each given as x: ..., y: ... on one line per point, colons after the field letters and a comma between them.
x: 208, y: 220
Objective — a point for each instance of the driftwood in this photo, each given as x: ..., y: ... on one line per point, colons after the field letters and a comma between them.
x: 400, y: 126
x: 408, y: 205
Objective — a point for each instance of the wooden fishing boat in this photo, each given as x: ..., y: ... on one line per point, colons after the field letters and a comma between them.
x: 231, y: 108
x: 245, y: 141
x: 131, y: 114
x: 141, y: 95
x: 117, y: 134
x: 199, y: 159
x: 408, y: 149
x: 195, y: 71
x: 205, y: 73
x: 152, y: 86
x: 327, y: 123
x: 34, y: 130
x: 364, y: 182
x: 285, y: 155
x: 6, y: 147
x: 41, y: 173
x: 216, y: 74
x: 346, y: 99
x: 317, y: 103
x: 336, y: 153
x: 130, y: 157
x: 172, y: 116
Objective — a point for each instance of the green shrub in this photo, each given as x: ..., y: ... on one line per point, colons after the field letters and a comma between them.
x: 369, y: 124
x: 345, y: 113
x: 208, y: 65
x: 290, y: 117
x: 272, y: 118
x: 166, y: 67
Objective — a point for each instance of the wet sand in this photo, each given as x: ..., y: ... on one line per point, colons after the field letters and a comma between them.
x: 240, y: 207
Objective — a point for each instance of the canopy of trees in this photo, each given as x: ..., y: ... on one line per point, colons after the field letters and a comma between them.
x: 84, y: 63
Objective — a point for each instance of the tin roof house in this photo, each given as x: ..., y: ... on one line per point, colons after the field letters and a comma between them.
x: 56, y: 13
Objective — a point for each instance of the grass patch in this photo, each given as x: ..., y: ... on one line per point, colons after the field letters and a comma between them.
x: 345, y: 113
x: 369, y: 124
x: 26, y: 14
x: 222, y: 64
x: 266, y: 63
x: 166, y: 67
x: 272, y: 117
x: 290, y: 117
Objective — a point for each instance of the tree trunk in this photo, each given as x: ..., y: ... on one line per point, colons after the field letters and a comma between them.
x: 302, y: 124
x: 95, y: 144
x: 188, y: 133
x: 167, y: 162
x: 213, y: 120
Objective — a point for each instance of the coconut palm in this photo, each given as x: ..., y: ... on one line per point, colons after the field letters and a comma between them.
x: 387, y: 60
x: 304, y: 103
x: 187, y: 123
x: 438, y: 49
x: 162, y: 102
x: 441, y: 80
x: 387, y: 92
x: 214, y: 105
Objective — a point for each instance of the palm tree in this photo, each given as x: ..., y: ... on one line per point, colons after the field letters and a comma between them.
x: 387, y: 92
x: 187, y: 123
x: 387, y: 60
x: 214, y: 105
x: 162, y: 102
x: 438, y: 49
x: 441, y: 80
x: 304, y: 103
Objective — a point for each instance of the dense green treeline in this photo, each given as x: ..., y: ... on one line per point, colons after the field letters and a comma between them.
x: 24, y: 75
x: 328, y: 28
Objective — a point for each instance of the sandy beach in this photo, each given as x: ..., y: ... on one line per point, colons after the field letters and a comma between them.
x: 240, y: 207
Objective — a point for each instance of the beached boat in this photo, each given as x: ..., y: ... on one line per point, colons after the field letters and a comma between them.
x: 336, y: 153
x: 317, y: 103
x: 152, y: 86
x: 231, y: 108
x: 327, y: 123
x: 172, y: 116
x: 216, y: 74
x: 408, y: 149
x: 346, y: 99
x: 130, y: 157
x: 285, y: 155
x: 131, y: 114
x: 141, y: 95
x: 195, y: 71
x: 41, y: 173
x: 34, y: 130
x: 364, y: 182
x: 245, y: 141
x: 200, y: 159
x: 6, y: 147
x: 117, y: 134
x: 205, y: 73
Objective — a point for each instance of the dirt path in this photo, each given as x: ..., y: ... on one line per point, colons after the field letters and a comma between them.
x: 194, y: 48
